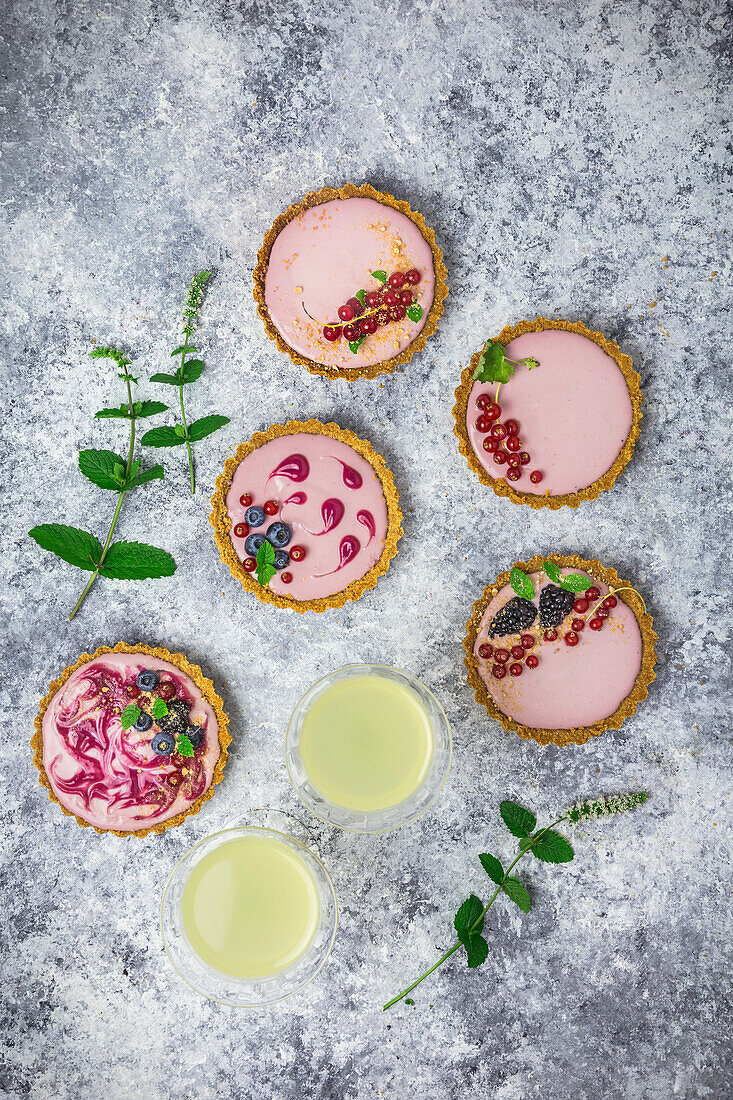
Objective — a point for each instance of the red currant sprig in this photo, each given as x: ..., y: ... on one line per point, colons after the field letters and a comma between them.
x: 379, y: 308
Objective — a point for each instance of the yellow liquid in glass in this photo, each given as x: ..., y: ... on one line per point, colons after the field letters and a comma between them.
x: 250, y: 907
x: 366, y: 743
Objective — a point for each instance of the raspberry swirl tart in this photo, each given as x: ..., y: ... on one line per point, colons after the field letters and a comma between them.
x: 130, y: 740
x: 560, y: 649
x: 350, y: 282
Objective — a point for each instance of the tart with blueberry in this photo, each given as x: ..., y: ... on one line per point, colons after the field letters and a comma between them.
x: 548, y: 413
x: 306, y: 515
x: 350, y: 282
x: 131, y: 740
x: 560, y: 649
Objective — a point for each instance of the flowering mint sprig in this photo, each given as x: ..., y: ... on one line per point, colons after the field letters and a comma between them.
x: 109, y: 470
x: 188, y: 371
x: 546, y: 845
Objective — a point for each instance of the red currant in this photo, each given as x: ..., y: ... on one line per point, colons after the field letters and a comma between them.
x: 513, y: 474
x: 390, y: 298
x: 581, y: 606
x: 333, y: 332
x: 500, y: 456
x: 512, y: 443
x: 571, y: 638
x: 532, y: 661
x: 535, y: 477
x: 241, y: 531
x: 527, y: 641
x: 370, y: 324
x: 133, y: 691
x: 406, y: 297
x: 596, y: 624
x: 356, y: 306
x: 297, y: 553
x: 513, y: 460
x: 270, y: 507
x: 578, y: 624
x: 245, y: 500
x: 166, y: 689
x: 515, y: 669
x: 397, y: 313
x: 517, y: 652
x: 249, y: 564
x: 346, y: 313
x: 363, y: 326
x: 383, y: 318
x: 374, y: 299
x: 483, y: 423
x: 501, y: 655
x: 610, y: 601
x: 286, y: 577
x: 511, y: 426
x: 351, y: 332
x: 412, y: 276
x: 494, y: 411
x: 396, y: 279
x: 550, y: 635
x: 592, y: 593
x: 524, y: 458
x: 483, y: 401
x: 491, y: 445
x: 602, y: 612
x: 498, y: 431
x: 485, y: 650
x: 499, y: 672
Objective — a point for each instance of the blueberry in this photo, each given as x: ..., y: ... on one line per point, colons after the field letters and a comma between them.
x: 163, y: 744
x: 148, y: 680
x: 279, y: 534
x: 195, y: 735
x: 255, y: 516
x: 282, y: 559
x: 144, y: 722
x: 252, y: 544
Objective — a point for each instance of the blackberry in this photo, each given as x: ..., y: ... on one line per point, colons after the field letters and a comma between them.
x: 176, y: 720
x: 516, y: 615
x: 555, y: 604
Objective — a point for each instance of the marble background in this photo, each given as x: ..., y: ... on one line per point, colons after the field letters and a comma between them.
x: 571, y: 158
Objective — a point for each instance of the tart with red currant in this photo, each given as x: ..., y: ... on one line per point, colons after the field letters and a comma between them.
x: 131, y: 740
x: 306, y: 515
x: 548, y: 413
x: 560, y: 649
x: 350, y: 282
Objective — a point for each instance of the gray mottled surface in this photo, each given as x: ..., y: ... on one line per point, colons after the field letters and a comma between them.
x: 560, y: 151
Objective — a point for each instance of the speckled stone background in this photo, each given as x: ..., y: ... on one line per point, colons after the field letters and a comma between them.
x: 572, y: 161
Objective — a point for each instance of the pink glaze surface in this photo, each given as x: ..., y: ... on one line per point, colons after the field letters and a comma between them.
x: 324, y: 256
x: 109, y: 776
x: 574, y: 412
x: 573, y: 686
x: 335, y: 509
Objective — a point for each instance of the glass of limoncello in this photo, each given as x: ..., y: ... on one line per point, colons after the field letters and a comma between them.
x: 248, y: 916
x: 368, y: 748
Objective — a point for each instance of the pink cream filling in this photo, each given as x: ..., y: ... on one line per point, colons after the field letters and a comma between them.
x: 324, y: 256
x: 109, y: 776
x: 332, y: 500
x: 573, y: 686
x: 574, y: 412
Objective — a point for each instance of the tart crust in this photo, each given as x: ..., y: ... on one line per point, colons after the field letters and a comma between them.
x: 579, y: 734
x: 501, y: 487
x: 220, y: 521
x: 204, y: 685
x: 316, y: 198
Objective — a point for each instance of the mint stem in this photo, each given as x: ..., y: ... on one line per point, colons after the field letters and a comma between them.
x: 183, y: 413
x: 478, y: 920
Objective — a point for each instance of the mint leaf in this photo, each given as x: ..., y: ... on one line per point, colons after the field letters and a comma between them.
x: 466, y: 917
x: 77, y: 547
x: 123, y: 413
x: 361, y: 295
x: 162, y: 437
x: 519, y: 822
x: 552, y: 570
x: 149, y: 408
x: 184, y: 746
x: 354, y: 345
x: 166, y: 379
x: 130, y: 561
x: 129, y: 716
x: 493, y: 868
x: 128, y: 378
x: 477, y: 950
x: 160, y: 708
x: 550, y: 847
x: 154, y: 473
x: 380, y: 276
x: 100, y: 466
x: 181, y: 349
x: 190, y: 371
x: 521, y: 583
x: 513, y: 888
x: 414, y: 312
x: 179, y: 430
x: 526, y: 842
x: 265, y: 563
x: 492, y: 365
x: 205, y: 426
x: 574, y: 582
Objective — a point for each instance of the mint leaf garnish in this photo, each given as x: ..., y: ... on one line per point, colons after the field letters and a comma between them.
x: 468, y: 915
x: 361, y: 295
x: 521, y: 583
x: 574, y: 582
x: 513, y: 888
x: 354, y: 345
x: 265, y: 563
x: 160, y: 708
x: 552, y: 570
x: 551, y: 847
x: 162, y: 437
x: 492, y: 867
x: 103, y: 468
x: 494, y: 366
x: 129, y: 716
x: 184, y: 746
x: 79, y: 548
x: 205, y: 426
x: 519, y: 822
x: 380, y: 276
x: 414, y: 312
x: 166, y: 379
x: 155, y: 473
x: 136, y: 561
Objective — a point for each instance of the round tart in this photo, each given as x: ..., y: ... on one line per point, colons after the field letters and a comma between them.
x: 130, y: 740
x: 306, y: 515
x: 560, y: 660
x: 350, y: 282
x: 563, y: 424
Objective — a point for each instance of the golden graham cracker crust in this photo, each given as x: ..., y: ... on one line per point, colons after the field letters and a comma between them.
x: 350, y: 191
x: 204, y: 685
x: 220, y: 521
x: 580, y: 734
x: 501, y: 487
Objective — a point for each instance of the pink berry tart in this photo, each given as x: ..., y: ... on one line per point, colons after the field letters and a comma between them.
x: 560, y: 649
x: 350, y: 282
x: 306, y: 515
x: 548, y: 413
x: 130, y: 740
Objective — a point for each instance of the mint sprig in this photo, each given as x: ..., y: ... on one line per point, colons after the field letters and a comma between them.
x: 189, y: 371
x: 546, y: 845
x: 184, y: 747
x: 573, y: 582
x: 265, y: 563
x: 521, y: 583
x: 494, y: 366
x: 129, y: 716
x: 111, y: 471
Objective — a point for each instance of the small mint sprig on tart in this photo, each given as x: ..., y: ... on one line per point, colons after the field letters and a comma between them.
x: 495, y: 366
x: 111, y: 471
x: 546, y: 845
x: 362, y: 315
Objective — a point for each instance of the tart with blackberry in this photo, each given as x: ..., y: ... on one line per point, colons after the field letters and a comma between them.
x: 306, y: 515
x: 560, y: 649
x: 131, y: 739
x: 548, y: 413
x: 350, y: 282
